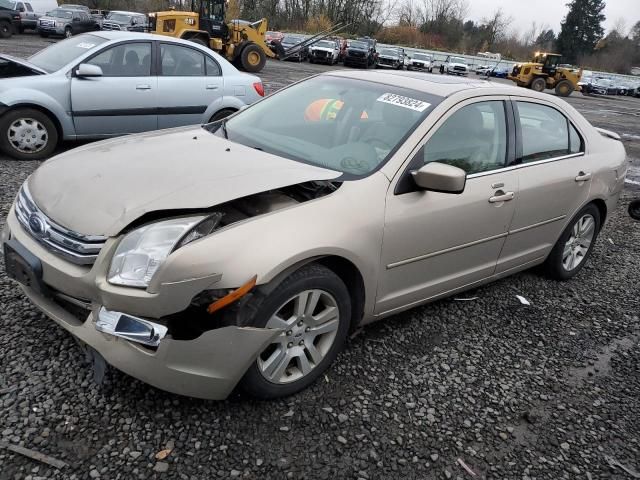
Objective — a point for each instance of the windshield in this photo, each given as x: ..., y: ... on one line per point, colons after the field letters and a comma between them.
x: 119, y: 17
x: 421, y: 56
x: 60, y: 13
x: 358, y: 45
x: 59, y: 54
x: 347, y: 125
x: 388, y: 51
x: 6, y: 4
x: 292, y: 39
x: 457, y: 60
x: 325, y: 44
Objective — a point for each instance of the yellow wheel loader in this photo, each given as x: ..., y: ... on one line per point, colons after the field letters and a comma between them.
x: 239, y: 41
x: 544, y: 72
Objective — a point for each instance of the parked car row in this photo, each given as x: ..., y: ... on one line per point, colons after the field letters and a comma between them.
x: 607, y: 86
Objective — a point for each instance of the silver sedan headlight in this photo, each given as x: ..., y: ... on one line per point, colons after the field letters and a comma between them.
x: 142, y: 251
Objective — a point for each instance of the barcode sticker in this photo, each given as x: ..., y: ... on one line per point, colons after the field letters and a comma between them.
x: 402, y: 101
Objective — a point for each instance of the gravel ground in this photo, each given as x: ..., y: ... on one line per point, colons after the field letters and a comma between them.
x: 546, y: 391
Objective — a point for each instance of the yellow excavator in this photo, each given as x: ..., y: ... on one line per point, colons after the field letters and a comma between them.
x: 544, y: 72
x: 239, y: 41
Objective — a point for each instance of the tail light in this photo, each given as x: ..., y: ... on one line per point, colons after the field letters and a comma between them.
x: 259, y: 88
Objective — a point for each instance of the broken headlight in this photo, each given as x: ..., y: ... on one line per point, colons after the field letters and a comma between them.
x: 142, y: 251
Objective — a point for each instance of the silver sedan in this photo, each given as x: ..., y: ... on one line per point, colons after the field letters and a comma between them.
x: 105, y: 84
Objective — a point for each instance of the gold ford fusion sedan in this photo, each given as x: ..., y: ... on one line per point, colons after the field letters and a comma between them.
x: 242, y: 252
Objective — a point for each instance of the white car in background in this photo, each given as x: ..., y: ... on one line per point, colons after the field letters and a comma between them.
x: 454, y: 66
x: 421, y: 62
x: 324, y: 51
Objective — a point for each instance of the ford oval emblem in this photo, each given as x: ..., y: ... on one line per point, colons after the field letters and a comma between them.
x: 37, y: 225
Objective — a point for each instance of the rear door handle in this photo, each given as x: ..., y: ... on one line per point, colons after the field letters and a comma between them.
x: 501, y: 197
x: 143, y: 87
x: 583, y: 177
x: 212, y: 87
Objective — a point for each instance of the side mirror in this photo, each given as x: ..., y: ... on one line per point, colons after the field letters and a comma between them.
x: 21, y: 9
x: 440, y: 177
x: 87, y: 70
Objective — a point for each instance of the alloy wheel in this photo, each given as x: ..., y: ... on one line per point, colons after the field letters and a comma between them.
x: 309, y: 322
x: 577, y: 246
x: 28, y: 135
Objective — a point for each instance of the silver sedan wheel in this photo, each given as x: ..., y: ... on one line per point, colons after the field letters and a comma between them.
x: 28, y: 135
x: 576, y: 248
x: 310, y: 323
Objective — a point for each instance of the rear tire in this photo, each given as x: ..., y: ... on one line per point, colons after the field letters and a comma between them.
x: 564, y: 88
x: 279, y: 370
x: 573, y: 248
x: 252, y: 58
x: 33, y: 125
x: 538, y: 84
x: 6, y: 30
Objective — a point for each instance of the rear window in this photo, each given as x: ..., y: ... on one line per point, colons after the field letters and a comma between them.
x: 59, y: 54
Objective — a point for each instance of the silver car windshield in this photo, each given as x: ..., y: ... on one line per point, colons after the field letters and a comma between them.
x: 119, y: 17
x: 347, y: 125
x: 388, y: 51
x: 421, y: 56
x: 457, y: 60
x: 53, y: 58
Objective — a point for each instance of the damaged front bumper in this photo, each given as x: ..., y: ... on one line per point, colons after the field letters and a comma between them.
x: 208, y: 367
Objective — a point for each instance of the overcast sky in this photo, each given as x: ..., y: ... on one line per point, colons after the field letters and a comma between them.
x: 551, y: 12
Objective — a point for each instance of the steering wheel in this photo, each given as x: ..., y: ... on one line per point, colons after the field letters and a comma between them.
x: 377, y: 143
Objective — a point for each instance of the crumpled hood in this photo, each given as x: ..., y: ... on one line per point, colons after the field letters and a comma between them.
x: 100, y: 188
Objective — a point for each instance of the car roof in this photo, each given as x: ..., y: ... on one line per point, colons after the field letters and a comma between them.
x: 440, y: 85
x: 124, y: 12
x: 127, y: 35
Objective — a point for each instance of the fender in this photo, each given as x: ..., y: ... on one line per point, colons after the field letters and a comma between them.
x: 25, y: 97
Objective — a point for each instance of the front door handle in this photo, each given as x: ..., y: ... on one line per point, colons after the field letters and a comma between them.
x: 583, y: 177
x: 501, y: 196
x: 143, y: 87
x: 212, y: 87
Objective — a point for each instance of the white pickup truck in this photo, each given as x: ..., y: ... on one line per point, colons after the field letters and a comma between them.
x: 454, y: 66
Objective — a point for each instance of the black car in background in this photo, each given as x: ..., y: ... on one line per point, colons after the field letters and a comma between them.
x: 361, y: 53
x: 289, y: 41
x: 9, y: 19
x: 391, y: 58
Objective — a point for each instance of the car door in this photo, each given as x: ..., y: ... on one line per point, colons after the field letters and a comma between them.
x: 434, y: 242
x: 554, y: 181
x: 124, y: 99
x: 87, y: 23
x: 188, y: 83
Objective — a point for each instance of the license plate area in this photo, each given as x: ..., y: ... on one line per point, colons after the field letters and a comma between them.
x: 23, y: 267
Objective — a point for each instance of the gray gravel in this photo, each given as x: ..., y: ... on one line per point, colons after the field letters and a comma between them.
x: 546, y: 391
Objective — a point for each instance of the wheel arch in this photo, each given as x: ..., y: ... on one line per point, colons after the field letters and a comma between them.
x: 343, y: 268
x: 54, y: 118
x: 602, y: 208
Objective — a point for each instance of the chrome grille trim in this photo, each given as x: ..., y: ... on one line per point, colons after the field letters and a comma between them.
x: 75, y: 247
x: 110, y: 26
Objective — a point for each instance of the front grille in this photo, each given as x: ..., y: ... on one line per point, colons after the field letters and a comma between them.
x: 110, y: 26
x: 385, y: 61
x: 47, y: 23
x: 459, y: 69
x: 356, y: 53
x: 75, y: 247
x: 321, y: 53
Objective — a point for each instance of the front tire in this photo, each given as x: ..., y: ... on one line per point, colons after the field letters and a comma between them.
x: 27, y: 134
x: 224, y: 113
x: 575, y: 245
x: 564, y: 88
x: 252, y: 58
x: 68, y: 33
x: 313, y: 309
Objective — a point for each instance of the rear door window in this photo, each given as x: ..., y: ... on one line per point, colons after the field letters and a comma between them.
x: 179, y: 61
x: 545, y: 132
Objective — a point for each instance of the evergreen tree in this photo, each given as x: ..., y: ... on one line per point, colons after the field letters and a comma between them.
x: 581, y: 29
